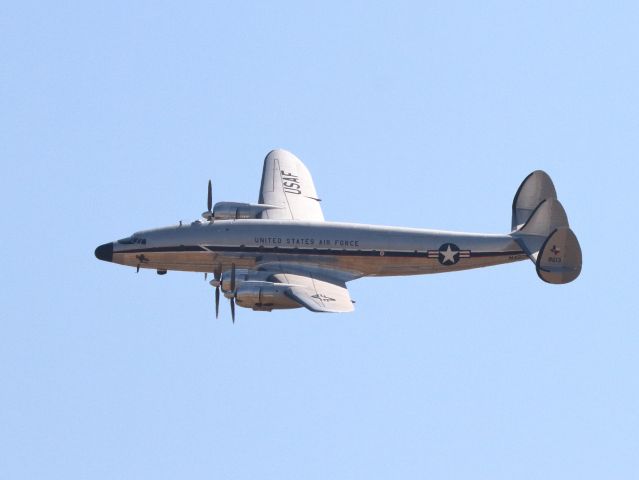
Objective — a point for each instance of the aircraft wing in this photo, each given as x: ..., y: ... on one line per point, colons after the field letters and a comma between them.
x: 315, y: 294
x: 287, y: 183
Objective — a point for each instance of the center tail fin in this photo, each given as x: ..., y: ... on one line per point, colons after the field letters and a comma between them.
x: 544, y: 233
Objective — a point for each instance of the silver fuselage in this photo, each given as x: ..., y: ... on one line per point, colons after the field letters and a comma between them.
x: 355, y: 250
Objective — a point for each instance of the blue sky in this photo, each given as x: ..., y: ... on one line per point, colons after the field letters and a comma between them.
x: 426, y: 114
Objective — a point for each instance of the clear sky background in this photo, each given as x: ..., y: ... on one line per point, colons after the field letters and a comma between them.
x: 115, y: 114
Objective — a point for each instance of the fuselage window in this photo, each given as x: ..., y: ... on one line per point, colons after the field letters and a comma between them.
x: 132, y: 240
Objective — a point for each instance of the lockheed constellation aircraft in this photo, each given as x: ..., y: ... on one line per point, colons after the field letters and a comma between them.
x: 281, y: 253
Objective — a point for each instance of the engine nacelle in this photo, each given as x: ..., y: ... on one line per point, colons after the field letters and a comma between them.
x: 237, y: 210
x: 242, y: 275
x: 263, y: 296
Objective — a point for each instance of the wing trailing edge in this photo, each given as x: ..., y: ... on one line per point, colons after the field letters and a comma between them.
x: 317, y: 295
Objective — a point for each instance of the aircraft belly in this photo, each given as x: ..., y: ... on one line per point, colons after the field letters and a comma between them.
x: 389, y: 266
x: 206, y: 261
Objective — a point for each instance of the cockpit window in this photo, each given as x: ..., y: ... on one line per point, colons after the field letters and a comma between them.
x: 132, y: 241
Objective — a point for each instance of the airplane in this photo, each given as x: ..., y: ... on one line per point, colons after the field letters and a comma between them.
x: 280, y: 253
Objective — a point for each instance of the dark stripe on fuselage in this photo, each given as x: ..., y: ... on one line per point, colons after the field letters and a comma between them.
x: 310, y: 251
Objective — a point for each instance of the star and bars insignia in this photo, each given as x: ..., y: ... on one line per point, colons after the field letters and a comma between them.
x: 142, y: 258
x: 322, y: 297
x: 448, y: 254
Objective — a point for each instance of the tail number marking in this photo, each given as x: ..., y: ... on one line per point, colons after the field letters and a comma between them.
x: 291, y: 183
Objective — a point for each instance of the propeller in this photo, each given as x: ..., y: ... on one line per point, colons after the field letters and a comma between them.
x: 209, y: 203
x: 216, y: 282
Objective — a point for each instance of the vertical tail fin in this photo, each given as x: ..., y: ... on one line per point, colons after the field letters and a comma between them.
x: 548, y: 215
x: 535, y: 188
x: 559, y: 258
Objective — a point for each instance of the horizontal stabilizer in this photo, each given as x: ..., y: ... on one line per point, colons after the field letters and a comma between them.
x: 535, y: 188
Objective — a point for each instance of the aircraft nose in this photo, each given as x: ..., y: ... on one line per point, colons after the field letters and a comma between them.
x: 105, y: 252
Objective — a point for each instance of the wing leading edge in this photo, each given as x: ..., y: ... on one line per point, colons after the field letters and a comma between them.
x: 287, y: 183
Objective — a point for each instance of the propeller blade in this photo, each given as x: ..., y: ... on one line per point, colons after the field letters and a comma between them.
x: 217, y: 302
x: 233, y: 292
x: 233, y: 278
x: 233, y: 309
x: 209, y: 200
